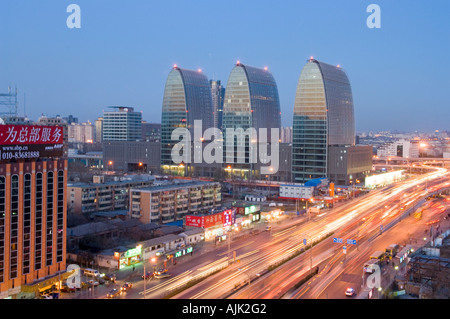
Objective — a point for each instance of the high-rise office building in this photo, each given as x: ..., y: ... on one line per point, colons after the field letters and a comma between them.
x: 151, y: 131
x: 33, y: 213
x: 123, y: 124
x: 323, y: 117
x: 218, y: 95
x: 251, y: 101
x: 187, y: 98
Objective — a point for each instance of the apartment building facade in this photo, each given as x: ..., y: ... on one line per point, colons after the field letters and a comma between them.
x: 168, y: 203
x: 98, y: 196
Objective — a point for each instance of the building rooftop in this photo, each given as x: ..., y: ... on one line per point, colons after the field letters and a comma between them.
x: 175, y: 186
x: 125, y: 180
x: 89, y: 229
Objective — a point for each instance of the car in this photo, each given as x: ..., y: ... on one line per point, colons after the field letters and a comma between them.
x: 161, y: 271
x: 66, y: 288
x: 268, y: 228
x: 147, y: 275
x: 163, y: 275
x: 113, y: 293
x: 93, y: 283
x: 126, y: 286
x: 110, y: 277
x: 350, y: 292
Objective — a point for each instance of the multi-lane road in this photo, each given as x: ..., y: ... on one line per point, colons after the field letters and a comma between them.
x: 241, y: 269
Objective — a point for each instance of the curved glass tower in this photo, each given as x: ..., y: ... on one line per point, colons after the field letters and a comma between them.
x: 187, y: 97
x: 323, y: 117
x: 251, y: 101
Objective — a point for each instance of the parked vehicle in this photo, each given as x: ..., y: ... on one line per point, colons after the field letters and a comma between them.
x: 91, y: 272
x: 370, y: 266
x: 391, y: 251
x: 147, y: 275
x: 94, y: 283
x: 377, y: 255
x: 110, y: 277
x: 66, y: 288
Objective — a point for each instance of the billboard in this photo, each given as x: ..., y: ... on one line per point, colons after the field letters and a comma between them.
x: 224, y: 218
x: 296, y: 191
x: 24, y: 142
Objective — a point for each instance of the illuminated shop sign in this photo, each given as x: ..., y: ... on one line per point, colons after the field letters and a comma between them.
x: 252, y: 209
x: 183, y: 252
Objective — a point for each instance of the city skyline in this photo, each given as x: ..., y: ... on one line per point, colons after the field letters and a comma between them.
x: 121, y: 55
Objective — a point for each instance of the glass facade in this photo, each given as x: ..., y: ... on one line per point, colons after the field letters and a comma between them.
x: 187, y: 98
x: 218, y: 94
x: 122, y: 125
x: 251, y: 100
x: 323, y: 116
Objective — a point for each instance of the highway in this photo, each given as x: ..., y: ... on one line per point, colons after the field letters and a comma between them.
x: 248, y: 277
x: 377, y: 208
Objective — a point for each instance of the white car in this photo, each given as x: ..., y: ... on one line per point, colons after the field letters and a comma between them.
x: 350, y: 292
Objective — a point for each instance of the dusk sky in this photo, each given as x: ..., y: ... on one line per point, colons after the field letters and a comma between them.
x: 124, y: 51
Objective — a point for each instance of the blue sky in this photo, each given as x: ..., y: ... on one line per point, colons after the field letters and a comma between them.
x: 124, y: 51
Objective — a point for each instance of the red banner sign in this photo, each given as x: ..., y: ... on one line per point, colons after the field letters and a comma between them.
x: 224, y: 218
x: 30, y: 134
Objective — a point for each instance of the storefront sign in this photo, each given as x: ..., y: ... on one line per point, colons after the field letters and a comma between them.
x: 183, y: 252
x: 252, y: 209
x: 132, y: 252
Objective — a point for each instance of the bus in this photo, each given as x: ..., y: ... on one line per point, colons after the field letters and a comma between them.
x: 379, y: 255
x: 391, y: 251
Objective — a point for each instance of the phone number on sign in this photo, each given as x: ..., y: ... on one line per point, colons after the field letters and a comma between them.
x: 19, y: 155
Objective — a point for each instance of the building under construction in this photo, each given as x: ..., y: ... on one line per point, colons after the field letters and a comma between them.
x: 428, y: 271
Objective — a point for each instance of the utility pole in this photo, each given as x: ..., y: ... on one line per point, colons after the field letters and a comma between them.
x: 145, y: 280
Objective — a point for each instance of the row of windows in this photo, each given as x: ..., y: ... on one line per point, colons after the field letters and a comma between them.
x: 24, y: 217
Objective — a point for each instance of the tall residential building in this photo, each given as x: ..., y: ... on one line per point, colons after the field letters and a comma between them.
x: 123, y: 124
x: 99, y: 129
x: 81, y: 132
x: 187, y: 97
x: 251, y: 101
x: 323, y: 117
x: 33, y: 210
x: 218, y: 95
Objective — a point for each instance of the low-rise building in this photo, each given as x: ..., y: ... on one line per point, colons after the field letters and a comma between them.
x: 102, y: 196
